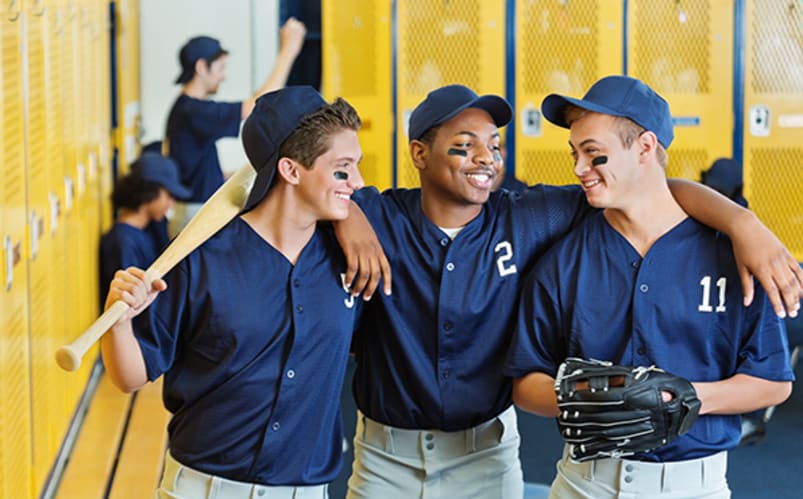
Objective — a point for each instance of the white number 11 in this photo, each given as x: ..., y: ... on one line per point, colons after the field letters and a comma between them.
x: 722, y: 284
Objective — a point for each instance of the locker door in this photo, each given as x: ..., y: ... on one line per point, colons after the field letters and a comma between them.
x: 357, y: 66
x: 561, y: 47
x: 440, y: 43
x: 773, y: 118
x: 684, y: 51
x: 47, y: 402
x: 15, y: 416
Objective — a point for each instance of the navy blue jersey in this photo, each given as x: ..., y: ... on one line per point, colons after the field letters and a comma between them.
x: 253, y: 350
x: 193, y: 126
x: 431, y: 354
x: 121, y: 247
x: 511, y: 183
x: 679, y: 308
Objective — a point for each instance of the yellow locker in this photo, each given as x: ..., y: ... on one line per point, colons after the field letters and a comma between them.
x: 15, y: 430
x: 357, y: 66
x: 48, y: 423
x: 127, y: 71
x: 773, y: 118
x: 440, y: 43
x: 561, y: 47
x: 684, y: 50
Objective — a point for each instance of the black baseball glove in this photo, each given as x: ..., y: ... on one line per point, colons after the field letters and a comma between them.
x: 608, y: 410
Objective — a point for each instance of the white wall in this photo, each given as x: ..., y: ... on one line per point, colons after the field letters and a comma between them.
x: 248, y: 29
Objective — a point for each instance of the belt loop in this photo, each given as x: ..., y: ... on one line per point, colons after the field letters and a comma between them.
x: 703, y: 468
x: 362, y: 420
x: 214, y: 487
x: 388, y: 439
x: 592, y: 470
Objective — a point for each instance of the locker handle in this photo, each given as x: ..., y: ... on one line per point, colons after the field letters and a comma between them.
x: 55, y: 211
x: 39, y: 8
x: 14, y: 10
x: 9, y: 261
x: 35, y: 232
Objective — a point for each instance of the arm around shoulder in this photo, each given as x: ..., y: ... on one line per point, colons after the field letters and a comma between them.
x: 758, y: 251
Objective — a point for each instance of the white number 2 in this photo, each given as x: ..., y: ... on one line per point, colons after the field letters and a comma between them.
x: 722, y: 285
x: 507, y: 253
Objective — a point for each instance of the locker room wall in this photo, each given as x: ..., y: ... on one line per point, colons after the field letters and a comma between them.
x: 246, y: 28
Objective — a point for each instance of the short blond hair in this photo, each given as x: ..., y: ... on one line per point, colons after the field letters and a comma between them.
x: 626, y: 129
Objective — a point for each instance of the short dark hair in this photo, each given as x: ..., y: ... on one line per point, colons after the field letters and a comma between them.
x: 311, y: 138
x: 132, y: 191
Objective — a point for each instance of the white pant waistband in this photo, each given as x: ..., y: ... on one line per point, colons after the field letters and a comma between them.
x: 413, y: 443
x: 653, y: 477
x: 183, y: 482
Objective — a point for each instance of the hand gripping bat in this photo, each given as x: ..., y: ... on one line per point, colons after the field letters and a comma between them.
x: 218, y: 210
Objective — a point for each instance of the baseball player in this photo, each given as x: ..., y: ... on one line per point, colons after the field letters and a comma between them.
x: 435, y: 409
x: 253, y: 334
x: 143, y: 196
x: 196, y: 122
x: 640, y: 283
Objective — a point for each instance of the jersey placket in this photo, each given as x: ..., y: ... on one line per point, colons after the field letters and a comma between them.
x: 451, y: 287
x: 642, y: 308
x: 286, y: 391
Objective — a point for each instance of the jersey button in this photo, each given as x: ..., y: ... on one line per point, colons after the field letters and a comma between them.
x: 447, y: 326
x: 300, y: 309
x: 296, y: 283
x: 450, y: 266
x: 276, y: 426
x: 291, y: 374
x: 644, y: 288
x: 641, y: 351
x: 445, y: 242
x: 634, y: 264
x: 445, y: 374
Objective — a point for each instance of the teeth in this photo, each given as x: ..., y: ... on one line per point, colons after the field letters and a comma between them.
x: 591, y: 183
x: 484, y: 177
x: 344, y: 197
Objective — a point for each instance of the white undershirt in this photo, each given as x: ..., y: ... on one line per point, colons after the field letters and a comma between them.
x: 452, y: 233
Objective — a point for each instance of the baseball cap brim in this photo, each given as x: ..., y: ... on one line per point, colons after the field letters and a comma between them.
x: 554, y: 105
x: 496, y: 106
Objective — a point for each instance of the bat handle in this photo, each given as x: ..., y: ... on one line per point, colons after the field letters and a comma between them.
x: 69, y: 356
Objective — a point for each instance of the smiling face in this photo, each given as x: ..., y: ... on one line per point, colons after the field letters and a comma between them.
x: 327, y: 186
x: 611, y: 183
x: 460, y: 165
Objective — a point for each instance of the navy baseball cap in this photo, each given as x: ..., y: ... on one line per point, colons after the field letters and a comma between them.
x: 445, y: 103
x: 154, y: 167
x: 199, y: 47
x: 618, y: 96
x: 275, y: 116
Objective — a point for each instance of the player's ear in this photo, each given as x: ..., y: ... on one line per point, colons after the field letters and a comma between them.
x: 647, y: 143
x: 288, y: 169
x: 419, y: 153
x: 201, y: 66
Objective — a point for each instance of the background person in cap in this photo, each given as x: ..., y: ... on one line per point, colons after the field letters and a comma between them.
x: 253, y: 333
x: 196, y: 122
x: 725, y: 177
x: 641, y: 283
x: 142, y: 197
x: 436, y: 414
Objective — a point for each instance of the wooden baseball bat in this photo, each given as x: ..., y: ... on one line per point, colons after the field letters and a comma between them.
x: 218, y: 210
